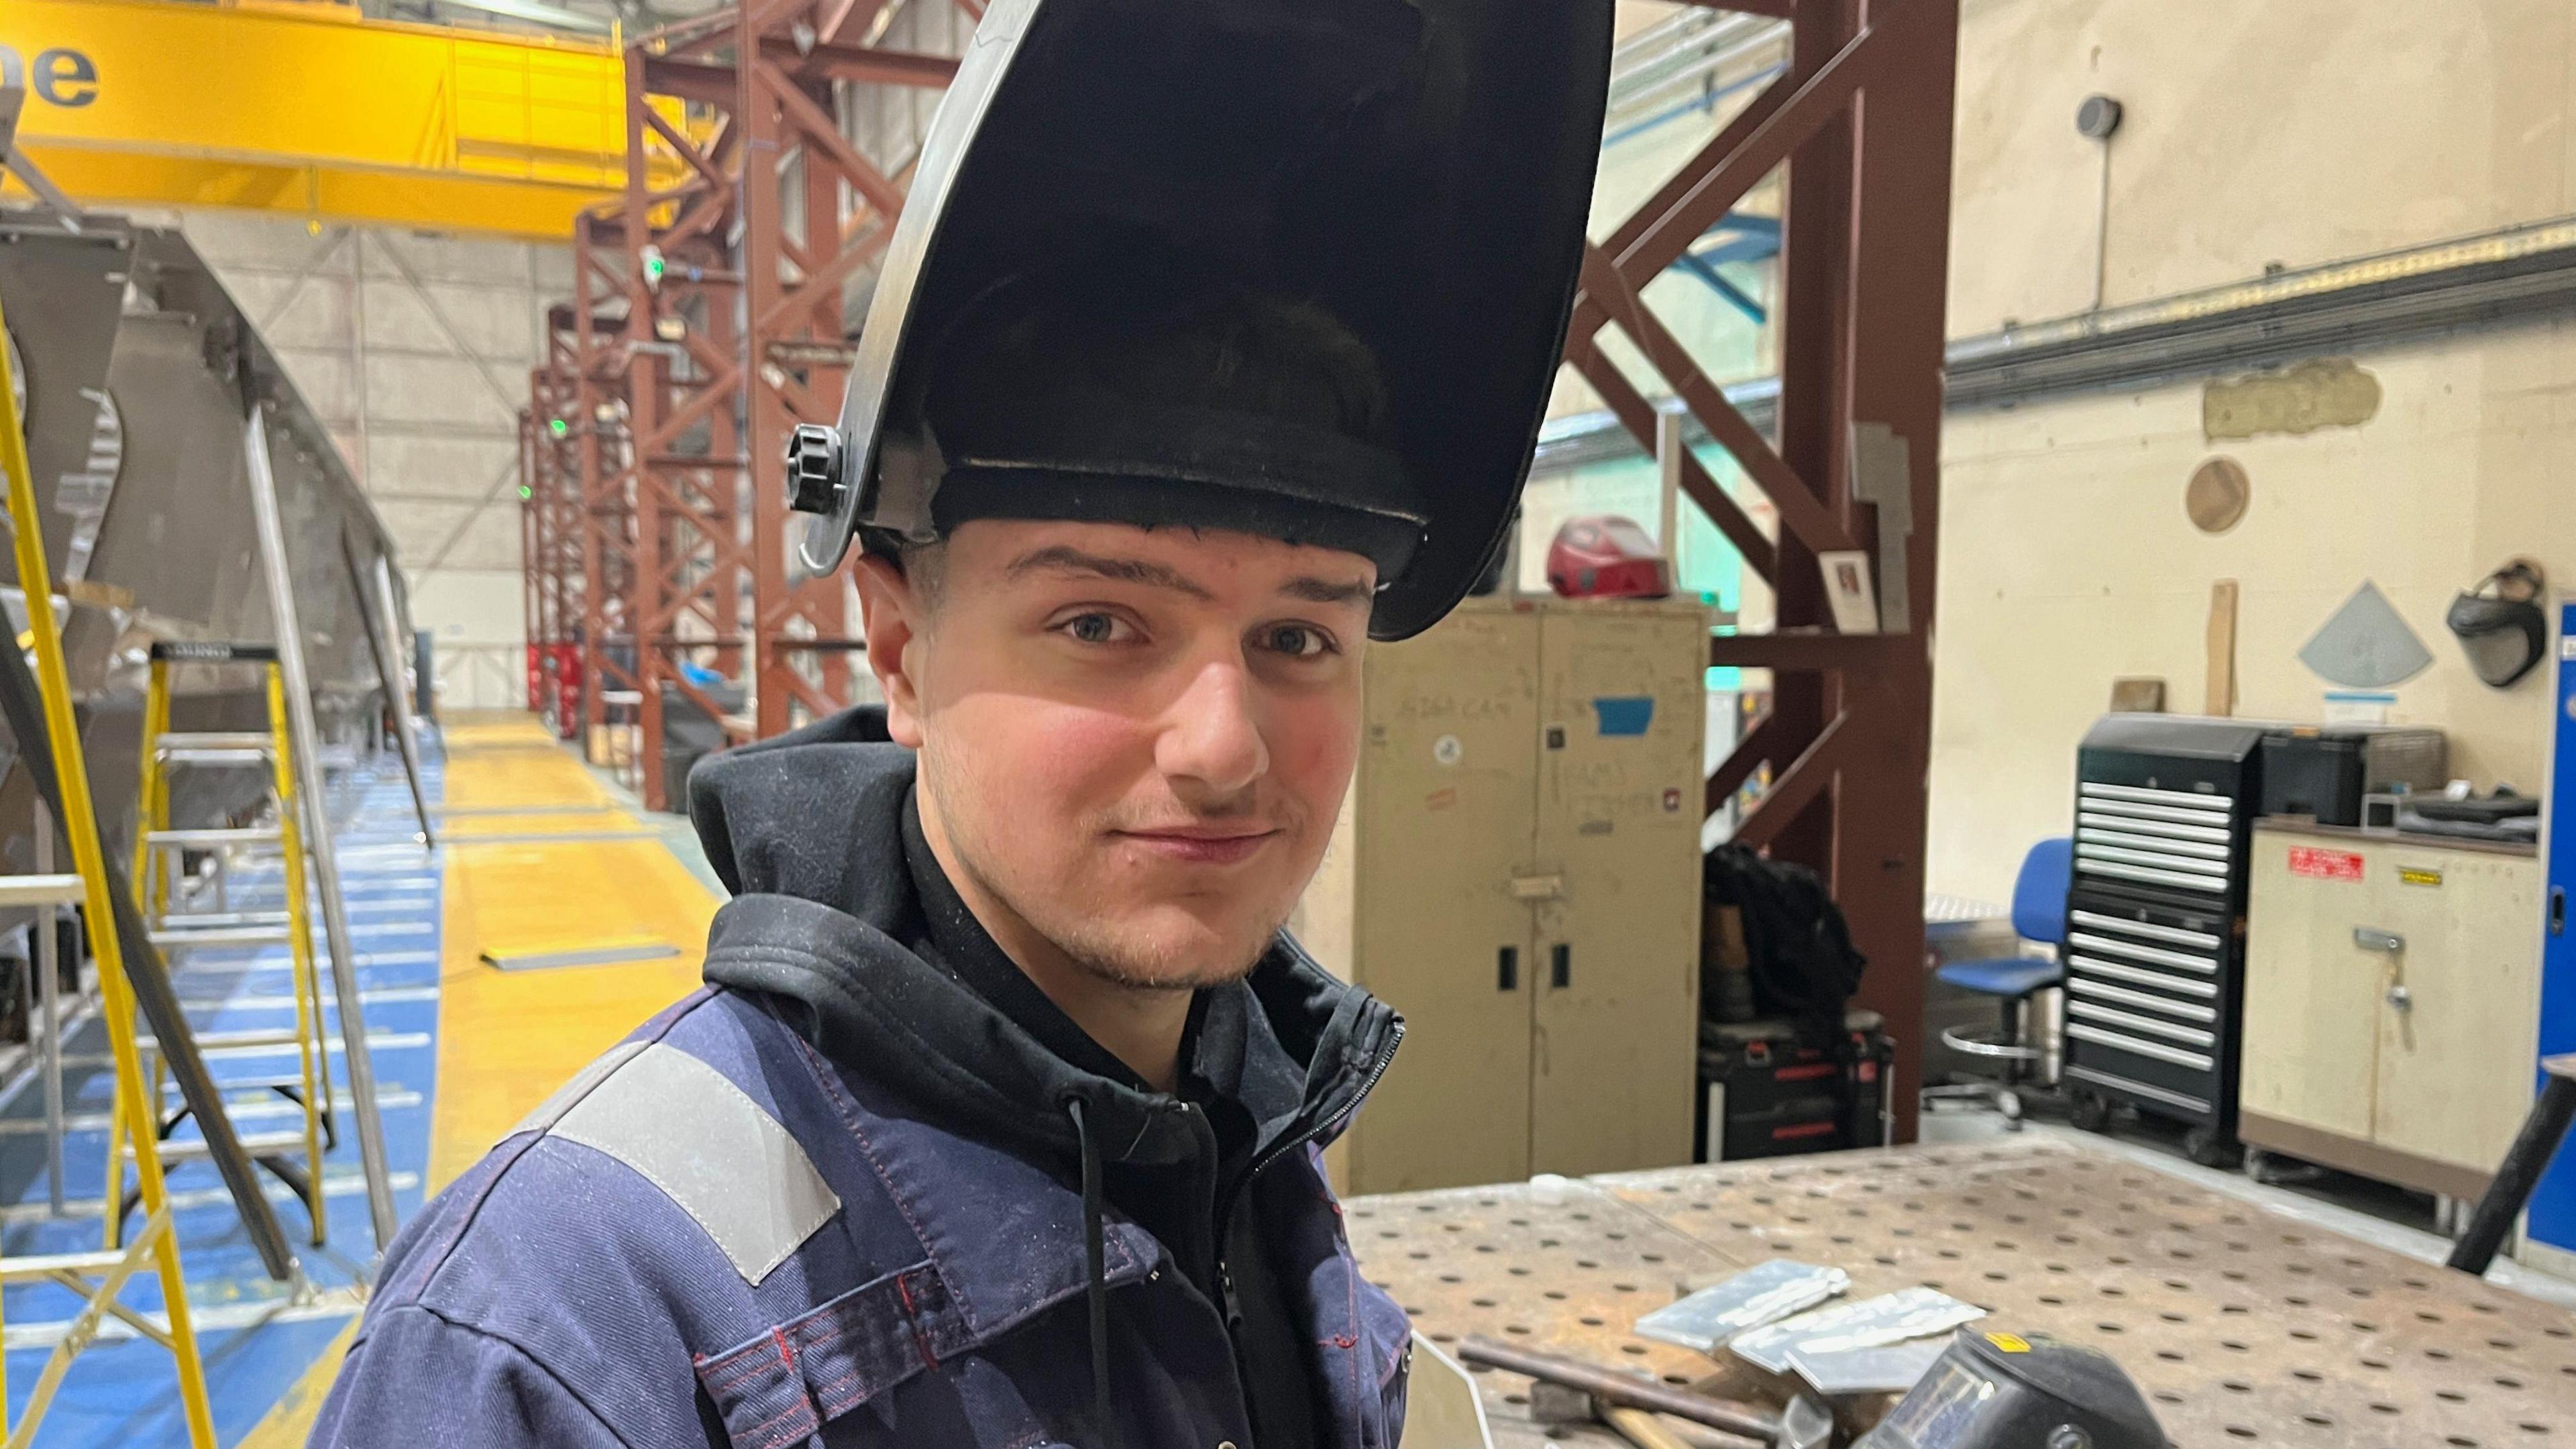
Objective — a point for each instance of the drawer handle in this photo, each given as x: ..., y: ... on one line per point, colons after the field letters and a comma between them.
x: 2371, y: 938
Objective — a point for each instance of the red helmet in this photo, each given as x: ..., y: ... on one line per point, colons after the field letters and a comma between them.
x: 1606, y: 556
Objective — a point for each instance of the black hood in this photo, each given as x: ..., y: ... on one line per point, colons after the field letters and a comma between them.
x: 806, y: 831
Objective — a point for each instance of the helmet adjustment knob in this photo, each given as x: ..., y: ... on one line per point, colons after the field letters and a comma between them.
x: 814, y: 465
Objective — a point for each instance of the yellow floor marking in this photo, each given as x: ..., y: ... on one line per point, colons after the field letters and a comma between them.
x: 588, y: 822
x: 289, y: 1422
x: 506, y: 1040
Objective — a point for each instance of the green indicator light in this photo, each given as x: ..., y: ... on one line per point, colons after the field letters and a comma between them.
x: 558, y: 427
x: 527, y: 492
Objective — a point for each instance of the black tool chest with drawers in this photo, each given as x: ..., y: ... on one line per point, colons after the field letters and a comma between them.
x: 2155, y: 940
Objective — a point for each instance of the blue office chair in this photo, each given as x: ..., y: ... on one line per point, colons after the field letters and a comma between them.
x: 2039, y: 915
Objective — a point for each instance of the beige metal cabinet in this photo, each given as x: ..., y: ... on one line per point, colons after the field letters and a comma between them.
x: 2391, y: 1003
x: 1517, y: 871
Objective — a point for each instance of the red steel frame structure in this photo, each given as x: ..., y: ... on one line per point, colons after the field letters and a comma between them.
x: 535, y: 550
x: 734, y: 332
x: 599, y: 429
x: 683, y: 466
x: 1862, y: 119
x: 552, y: 525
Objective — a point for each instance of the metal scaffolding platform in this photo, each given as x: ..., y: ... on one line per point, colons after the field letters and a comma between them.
x: 2242, y: 1324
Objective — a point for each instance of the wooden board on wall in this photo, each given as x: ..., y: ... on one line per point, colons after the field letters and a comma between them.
x: 2221, y: 699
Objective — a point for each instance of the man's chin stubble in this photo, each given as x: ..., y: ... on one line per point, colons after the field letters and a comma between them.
x: 1150, y: 971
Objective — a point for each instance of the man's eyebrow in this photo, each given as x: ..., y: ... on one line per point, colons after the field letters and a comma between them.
x: 1067, y: 559
x: 1313, y: 590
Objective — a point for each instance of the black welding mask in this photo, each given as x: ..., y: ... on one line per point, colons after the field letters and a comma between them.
x: 1417, y: 172
x: 2500, y: 625
x: 2003, y: 1391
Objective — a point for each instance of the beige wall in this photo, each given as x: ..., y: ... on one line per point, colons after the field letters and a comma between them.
x: 2286, y: 131
x: 2297, y: 132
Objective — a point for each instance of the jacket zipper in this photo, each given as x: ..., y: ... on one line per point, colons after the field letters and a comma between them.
x: 1377, y: 1071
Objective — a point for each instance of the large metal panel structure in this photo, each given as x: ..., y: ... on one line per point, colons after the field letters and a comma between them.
x: 201, y: 500
x: 139, y: 370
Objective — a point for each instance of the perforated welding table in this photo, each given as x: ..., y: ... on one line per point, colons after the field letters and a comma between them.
x: 2243, y: 1325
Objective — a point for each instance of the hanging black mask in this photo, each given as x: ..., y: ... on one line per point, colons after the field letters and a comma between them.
x: 2500, y: 625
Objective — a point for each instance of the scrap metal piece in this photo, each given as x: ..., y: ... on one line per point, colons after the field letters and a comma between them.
x: 397, y: 699
x: 306, y: 737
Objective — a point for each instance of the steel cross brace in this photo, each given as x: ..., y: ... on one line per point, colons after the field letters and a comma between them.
x: 1862, y: 120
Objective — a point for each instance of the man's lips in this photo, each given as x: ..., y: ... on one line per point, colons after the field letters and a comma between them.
x: 1202, y: 844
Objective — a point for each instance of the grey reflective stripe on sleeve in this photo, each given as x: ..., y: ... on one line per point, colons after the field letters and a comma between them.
x: 710, y: 1149
x: 553, y: 1108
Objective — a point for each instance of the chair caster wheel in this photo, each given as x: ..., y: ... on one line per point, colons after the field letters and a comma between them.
x: 2008, y: 1102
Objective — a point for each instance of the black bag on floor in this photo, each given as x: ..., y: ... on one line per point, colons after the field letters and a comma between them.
x: 1797, y: 946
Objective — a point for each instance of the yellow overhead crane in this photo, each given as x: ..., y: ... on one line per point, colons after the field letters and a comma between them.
x: 309, y: 110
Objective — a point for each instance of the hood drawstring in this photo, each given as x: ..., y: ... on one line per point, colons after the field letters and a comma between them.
x: 1095, y: 1253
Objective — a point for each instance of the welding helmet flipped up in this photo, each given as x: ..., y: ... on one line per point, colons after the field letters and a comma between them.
x: 1420, y: 171
x: 2500, y: 625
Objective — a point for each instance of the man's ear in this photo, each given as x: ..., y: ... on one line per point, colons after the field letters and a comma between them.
x: 891, y: 609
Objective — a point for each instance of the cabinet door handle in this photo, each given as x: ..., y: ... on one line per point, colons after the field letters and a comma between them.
x: 2371, y: 938
x: 2558, y: 910
x: 1507, y: 969
x: 1560, y: 965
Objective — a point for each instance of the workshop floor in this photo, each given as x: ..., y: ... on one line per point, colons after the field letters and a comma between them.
x: 536, y: 853
x: 539, y: 852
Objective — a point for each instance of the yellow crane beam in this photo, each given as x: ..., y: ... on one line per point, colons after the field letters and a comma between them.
x: 311, y: 111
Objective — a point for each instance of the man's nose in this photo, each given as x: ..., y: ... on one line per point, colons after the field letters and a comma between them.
x: 1211, y: 737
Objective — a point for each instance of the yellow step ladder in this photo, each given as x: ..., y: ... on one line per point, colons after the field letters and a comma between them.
x: 159, y: 855
x: 97, y: 1277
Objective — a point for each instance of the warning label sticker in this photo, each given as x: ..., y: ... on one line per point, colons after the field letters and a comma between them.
x: 2308, y: 860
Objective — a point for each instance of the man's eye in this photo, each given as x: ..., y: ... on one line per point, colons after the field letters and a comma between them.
x: 1296, y: 641
x: 1097, y: 629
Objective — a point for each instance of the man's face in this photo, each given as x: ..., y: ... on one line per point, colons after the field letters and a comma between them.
x: 1133, y: 742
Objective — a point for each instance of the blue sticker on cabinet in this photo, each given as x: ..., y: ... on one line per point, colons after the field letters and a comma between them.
x: 1626, y: 714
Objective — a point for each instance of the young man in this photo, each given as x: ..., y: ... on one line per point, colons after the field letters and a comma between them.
x: 1000, y: 1122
